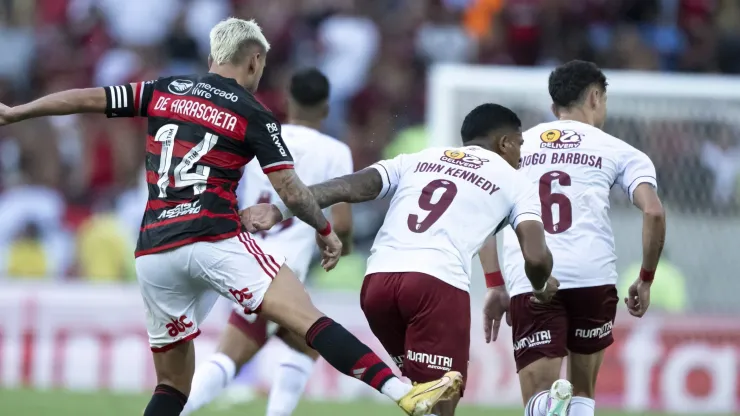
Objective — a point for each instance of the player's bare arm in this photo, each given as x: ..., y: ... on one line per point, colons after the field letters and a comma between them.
x: 300, y: 201
x: 86, y: 100
x: 488, y: 255
x: 341, y: 216
x: 296, y: 196
x: 496, y: 304
x: 537, y: 259
x: 361, y: 186
x: 646, y: 198
x: 653, y: 225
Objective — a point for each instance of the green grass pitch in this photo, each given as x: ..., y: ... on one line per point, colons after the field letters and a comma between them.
x: 61, y: 403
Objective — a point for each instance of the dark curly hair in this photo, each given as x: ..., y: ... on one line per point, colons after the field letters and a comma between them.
x: 309, y: 87
x: 569, y: 82
x: 486, y: 118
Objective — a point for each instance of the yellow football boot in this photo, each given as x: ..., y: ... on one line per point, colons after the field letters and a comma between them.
x: 423, y: 396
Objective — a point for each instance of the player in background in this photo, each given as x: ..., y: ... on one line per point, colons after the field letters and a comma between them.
x: 317, y: 158
x: 445, y: 203
x: 575, y: 164
x: 192, y: 246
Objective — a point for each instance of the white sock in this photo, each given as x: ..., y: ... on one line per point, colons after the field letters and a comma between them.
x: 290, y: 381
x: 537, y: 405
x: 582, y: 406
x: 210, y: 379
x: 395, y: 389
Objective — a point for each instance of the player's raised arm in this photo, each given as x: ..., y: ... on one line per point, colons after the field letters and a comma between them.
x: 116, y: 101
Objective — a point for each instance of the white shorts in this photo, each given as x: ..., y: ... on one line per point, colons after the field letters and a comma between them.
x: 248, y: 319
x: 181, y: 286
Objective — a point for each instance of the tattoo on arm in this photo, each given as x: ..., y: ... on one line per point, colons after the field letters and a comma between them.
x: 361, y: 186
x: 298, y: 198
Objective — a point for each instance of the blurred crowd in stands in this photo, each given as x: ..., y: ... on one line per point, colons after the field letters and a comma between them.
x: 72, y: 187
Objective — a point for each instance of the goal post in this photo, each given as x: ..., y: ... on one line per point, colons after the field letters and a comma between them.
x: 455, y: 89
x: 674, y: 118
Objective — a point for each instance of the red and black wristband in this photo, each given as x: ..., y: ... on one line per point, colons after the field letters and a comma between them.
x: 327, y: 230
x: 495, y: 279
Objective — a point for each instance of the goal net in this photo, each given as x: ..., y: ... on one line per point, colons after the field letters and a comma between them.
x: 689, y: 125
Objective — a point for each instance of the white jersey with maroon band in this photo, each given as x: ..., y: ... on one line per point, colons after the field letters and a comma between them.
x: 317, y: 158
x: 447, y: 201
x: 575, y: 165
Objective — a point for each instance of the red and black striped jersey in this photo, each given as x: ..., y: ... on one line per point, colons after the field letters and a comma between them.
x: 202, y: 130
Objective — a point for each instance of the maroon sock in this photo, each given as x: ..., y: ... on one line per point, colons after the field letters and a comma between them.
x: 166, y: 401
x: 347, y: 354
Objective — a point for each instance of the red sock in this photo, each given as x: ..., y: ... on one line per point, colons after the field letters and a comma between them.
x: 347, y: 354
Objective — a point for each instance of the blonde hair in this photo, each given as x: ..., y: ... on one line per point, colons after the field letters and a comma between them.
x: 229, y: 36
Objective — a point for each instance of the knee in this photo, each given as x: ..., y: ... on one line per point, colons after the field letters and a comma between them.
x: 539, y: 376
x: 534, y: 383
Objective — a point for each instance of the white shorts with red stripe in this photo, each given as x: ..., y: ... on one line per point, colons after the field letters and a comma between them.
x: 181, y: 286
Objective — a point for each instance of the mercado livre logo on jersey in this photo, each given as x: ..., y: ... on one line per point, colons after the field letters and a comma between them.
x: 560, y: 139
x: 460, y: 158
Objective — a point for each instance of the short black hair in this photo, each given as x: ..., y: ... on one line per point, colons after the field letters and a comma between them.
x: 569, y: 82
x: 309, y: 87
x: 486, y: 118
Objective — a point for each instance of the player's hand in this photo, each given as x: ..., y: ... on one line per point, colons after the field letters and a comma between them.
x: 638, y: 298
x: 551, y: 287
x: 6, y: 115
x: 260, y: 217
x: 494, y: 308
x: 330, y: 247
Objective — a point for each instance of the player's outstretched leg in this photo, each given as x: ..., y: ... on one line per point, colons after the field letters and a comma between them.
x: 287, y: 303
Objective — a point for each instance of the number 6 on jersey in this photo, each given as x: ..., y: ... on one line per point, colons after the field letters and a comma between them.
x: 550, y: 199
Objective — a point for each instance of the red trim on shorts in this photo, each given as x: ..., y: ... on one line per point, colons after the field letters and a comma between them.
x: 266, y: 267
x: 266, y: 261
x: 250, y: 250
x: 259, y: 250
x: 168, y: 347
